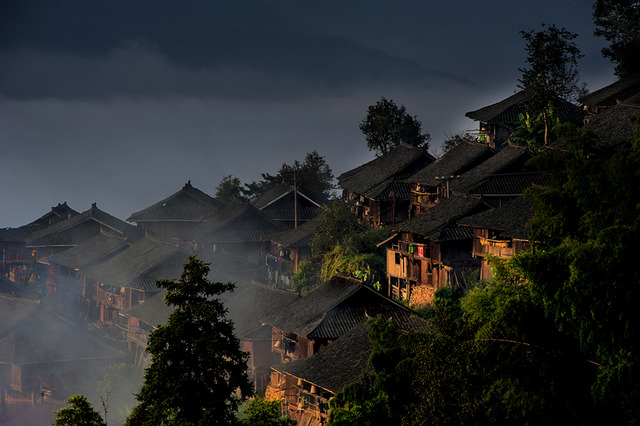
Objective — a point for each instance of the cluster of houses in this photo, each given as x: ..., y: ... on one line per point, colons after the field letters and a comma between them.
x: 67, y: 270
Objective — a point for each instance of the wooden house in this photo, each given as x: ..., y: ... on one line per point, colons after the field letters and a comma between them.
x: 44, y: 356
x: 625, y: 90
x: 129, y: 278
x: 378, y: 190
x: 615, y: 125
x: 306, y: 386
x: 285, y: 251
x: 64, y: 283
x: 430, y: 251
x: 175, y: 216
x: 498, y: 120
x: 238, y: 229
x: 429, y: 185
x: 307, y: 324
x: 17, y: 261
x: 501, y: 232
x: 287, y: 206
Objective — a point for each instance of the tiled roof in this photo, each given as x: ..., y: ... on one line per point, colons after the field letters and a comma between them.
x: 187, y: 205
x: 286, y: 213
x: 31, y: 334
x: 508, y: 184
x: 507, y: 110
x: 79, y: 228
x: 238, y: 222
x: 127, y: 268
x: 456, y: 161
x: 89, y: 252
x: 453, y: 233
x: 153, y: 311
x: 336, y: 365
x: 508, y: 159
x: 20, y: 235
x: 279, y: 192
x: 614, y: 126
x: 511, y: 218
x: 403, y: 159
x: 249, y: 307
x: 264, y: 332
x: 437, y: 217
x: 619, y: 91
x: 295, y: 237
x: 335, y: 307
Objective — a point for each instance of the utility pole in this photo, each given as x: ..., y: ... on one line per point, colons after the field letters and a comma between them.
x: 295, y: 200
x: 447, y: 179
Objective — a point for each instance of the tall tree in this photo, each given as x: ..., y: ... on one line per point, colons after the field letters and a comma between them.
x: 386, y: 125
x: 80, y: 412
x: 618, y: 21
x: 228, y: 190
x: 551, y: 72
x: 197, y: 373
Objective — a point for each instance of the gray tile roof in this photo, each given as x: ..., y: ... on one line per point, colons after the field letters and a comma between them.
x: 511, y: 219
x: 508, y: 159
x: 32, y: 334
x: 187, y: 205
x: 446, y: 212
x: 336, y: 365
x: 507, y: 110
x: 79, y: 228
x: 458, y: 160
x: 238, y: 222
x: 20, y: 235
x: 128, y: 268
x: 508, y: 184
x: 371, y: 179
x: 89, y: 252
x: 619, y: 91
x: 614, y: 126
x: 337, y: 306
x: 295, y: 237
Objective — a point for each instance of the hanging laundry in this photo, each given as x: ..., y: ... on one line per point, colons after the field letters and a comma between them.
x: 421, y: 251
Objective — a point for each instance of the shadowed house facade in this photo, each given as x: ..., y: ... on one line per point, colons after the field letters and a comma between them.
x: 378, y: 190
x: 287, y: 206
x: 15, y: 256
x: 175, y: 216
x: 500, y: 232
x: 497, y: 121
x: 284, y: 252
x: 42, y: 355
x: 129, y: 278
x: 430, y: 251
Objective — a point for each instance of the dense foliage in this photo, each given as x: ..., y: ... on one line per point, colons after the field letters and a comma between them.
x: 618, y: 22
x: 265, y: 412
x: 229, y: 190
x: 197, y: 373
x: 386, y: 125
x: 80, y: 412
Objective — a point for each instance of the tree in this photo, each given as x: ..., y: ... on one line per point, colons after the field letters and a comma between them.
x: 453, y: 140
x: 552, y: 70
x: 264, y: 412
x: 386, y: 125
x: 618, y: 21
x: 197, y: 373
x: 80, y: 413
x: 228, y: 190
x: 313, y: 175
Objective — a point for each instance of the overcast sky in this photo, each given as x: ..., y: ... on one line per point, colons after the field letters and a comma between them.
x: 121, y: 102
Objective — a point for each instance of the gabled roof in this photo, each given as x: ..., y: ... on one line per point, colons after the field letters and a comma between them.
x: 511, y: 219
x: 456, y: 161
x: 249, y: 307
x: 371, y: 179
x: 92, y: 251
x: 619, y: 91
x: 432, y: 221
x: 238, y: 222
x: 615, y: 125
x: 508, y: 159
x: 32, y: 334
x: 277, y: 193
x: 79, y: 228
x: 295, y: 237
x: 140, y: 265
x: 507, y: 110
x: 336, y: 365
x: 508, y: 184
x: 187, y: 205
x: 335, y: 307
x: 57, y: 214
